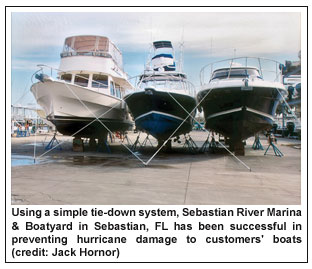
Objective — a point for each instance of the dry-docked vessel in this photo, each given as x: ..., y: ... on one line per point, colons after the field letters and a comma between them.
x: 164, y: 98
x: 90, y: 85
x: 237, y: 101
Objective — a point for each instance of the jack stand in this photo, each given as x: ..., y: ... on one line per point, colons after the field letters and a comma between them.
x: 257, y: 144
x: 50, y: 144
x: 205, y: 146
x: 277, y: 152
x: 190, y: 144
x: 145, y: 142
x: 102, y: 145
x: 213, y: 145
x: 135, y: 144
x: 129, y: 142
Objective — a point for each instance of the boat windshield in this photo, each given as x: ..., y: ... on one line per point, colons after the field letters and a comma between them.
x: 235, y: 73
x: 166, y: 84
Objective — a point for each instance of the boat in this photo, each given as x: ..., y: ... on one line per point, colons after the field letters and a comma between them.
x: 85, y: 100
x: 164, y: 103
x: 238, y: 102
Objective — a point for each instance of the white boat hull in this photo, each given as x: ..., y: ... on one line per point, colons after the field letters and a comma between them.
x: 72, y: 107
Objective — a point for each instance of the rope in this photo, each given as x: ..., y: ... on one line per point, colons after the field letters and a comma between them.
x: 96, y: 119
x: 208, y: 131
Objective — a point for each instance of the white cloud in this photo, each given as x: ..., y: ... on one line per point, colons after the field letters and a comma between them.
x: 18, y: 64
x: 249, y: 33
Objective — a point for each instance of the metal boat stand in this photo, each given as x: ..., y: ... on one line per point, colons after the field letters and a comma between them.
x: 51, y: 143
x: 205, y: 146
x: 213, y: 145
x: 145, y: 142
x: 257, y: 144
x: 277, y: 152
x: 129, y: 142
x: 136, y: 143
x: 190, y: 144
x: 103, y: 146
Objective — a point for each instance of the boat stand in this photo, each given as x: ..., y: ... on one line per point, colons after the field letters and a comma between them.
x: 51, y: 143
x: 129, y: 142
x: 257, y: 144
x: 190, y: 144
x: 213, y: 145
x: 103, y: 146
x: 205, y: 146
x: 145, y: 142
x: 136, y: 143
x: 277, y: 152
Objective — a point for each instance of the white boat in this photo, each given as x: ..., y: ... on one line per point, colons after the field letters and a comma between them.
x: 90, y: 85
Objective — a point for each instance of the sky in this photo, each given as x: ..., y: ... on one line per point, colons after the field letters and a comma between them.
x: 38, y: 37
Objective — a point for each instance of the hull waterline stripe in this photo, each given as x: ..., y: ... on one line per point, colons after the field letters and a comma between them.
x: 259, y: 113
x: 239, y: 109
x: 224, y: 112
x: 157, y: 112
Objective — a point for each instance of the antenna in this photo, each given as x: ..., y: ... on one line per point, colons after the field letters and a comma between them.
x: 181, y: 51
x: 150, y: 53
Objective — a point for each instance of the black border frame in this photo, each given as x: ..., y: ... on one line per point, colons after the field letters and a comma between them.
x: 5, y: 83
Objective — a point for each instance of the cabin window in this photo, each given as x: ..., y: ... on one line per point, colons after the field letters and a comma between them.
x: 100, y: 81
x: 66, y: 77
x: 82, y: 79
x: 112, y: 88
x: 118, y: 91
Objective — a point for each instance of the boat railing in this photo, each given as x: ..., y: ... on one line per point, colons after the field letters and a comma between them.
x: 85, y: 53
x: 269, y: 69
x: 163, y: 81
x: 95, y: 54
x: 53, y: 73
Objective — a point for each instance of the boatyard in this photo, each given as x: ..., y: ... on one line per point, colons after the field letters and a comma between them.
x: 176, y: 178
x: 160, y: 118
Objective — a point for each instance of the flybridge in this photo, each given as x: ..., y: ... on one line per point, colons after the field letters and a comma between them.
x: 91, y: 45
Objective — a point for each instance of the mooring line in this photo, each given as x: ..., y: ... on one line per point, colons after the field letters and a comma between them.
x: 36, y: 127
x: 149, y: 160
x: 189, y: 114
x: 187, y: 183
x: 96, y: 119
x: 102, y: 122
x: 208, y: 131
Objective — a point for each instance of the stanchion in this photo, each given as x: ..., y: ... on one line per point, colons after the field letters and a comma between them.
x: 51, y: 143
x: 257, y: 144
x: 147, y: 139
x: 205, y: 146
x: 277, y: 152
x: 136, y: 142
x: 190, y: 144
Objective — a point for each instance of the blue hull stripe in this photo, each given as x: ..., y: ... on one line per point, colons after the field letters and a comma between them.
x: 157, y: 124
